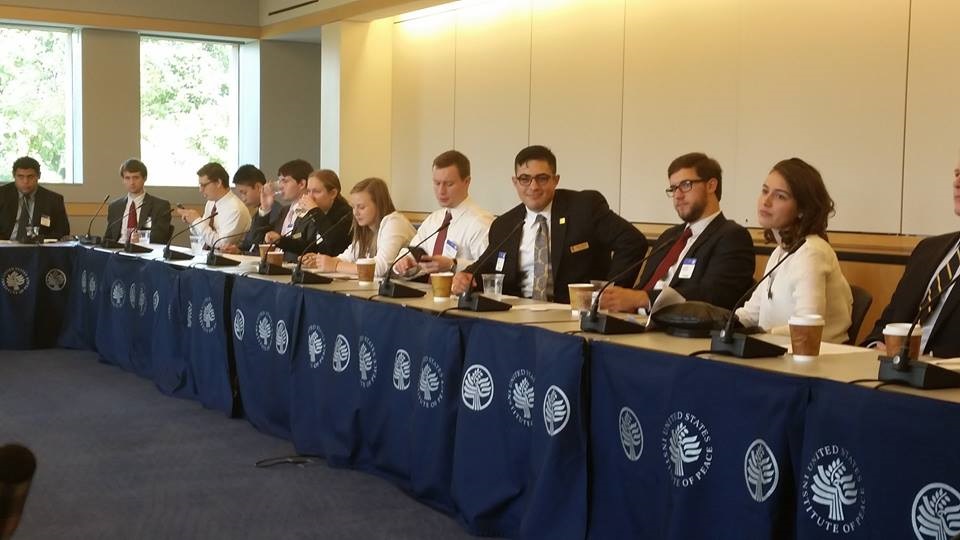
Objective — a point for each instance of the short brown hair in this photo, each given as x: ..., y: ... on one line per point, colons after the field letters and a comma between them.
x: 215, y: 171
x: 298, y: 169
x: 363, y: 237
x: 814, y: 205
x: 133, y: 165
x: 452, y: 157
x: 706, y: 168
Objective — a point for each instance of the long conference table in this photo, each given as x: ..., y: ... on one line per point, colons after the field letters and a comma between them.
x: 512, y: 422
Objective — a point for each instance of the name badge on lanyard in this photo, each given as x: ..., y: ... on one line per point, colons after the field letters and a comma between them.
x: 501, y: 259
x: 686, y: 268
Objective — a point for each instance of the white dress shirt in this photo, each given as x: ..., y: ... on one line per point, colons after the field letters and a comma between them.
x: 527, y: 242
x: 233, y: 219
x: 466, y: 235
x: 808, y: 283
x: 137, y: 203
x: 394, y: 232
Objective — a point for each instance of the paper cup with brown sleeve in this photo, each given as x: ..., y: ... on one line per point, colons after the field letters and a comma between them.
x: 365, y: 270
x: 806, y: 331
x: 441, y: 282
x: 894, y: 334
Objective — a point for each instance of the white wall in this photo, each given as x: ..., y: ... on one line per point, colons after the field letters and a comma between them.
x: 618, y: 88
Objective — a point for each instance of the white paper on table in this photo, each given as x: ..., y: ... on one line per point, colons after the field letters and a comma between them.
x: 668, y: 296
x: 542, y: 306
x: 953, y: 364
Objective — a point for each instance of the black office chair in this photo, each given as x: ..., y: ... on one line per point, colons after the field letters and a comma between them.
x: 861, y: 304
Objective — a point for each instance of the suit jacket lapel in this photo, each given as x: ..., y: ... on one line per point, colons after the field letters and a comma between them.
x: 707, y: 232
x: 145, y: 209
x: 953, y: 299
x: 558, y: 231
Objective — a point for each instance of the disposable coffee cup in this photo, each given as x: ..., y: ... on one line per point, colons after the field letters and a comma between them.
x: 263, y: 249
x: 365, y: 270
x: 580, y: 297
x: 806, y: 332
x: 275, y: 258
x: 493, y: 285
x: 441, y: 283
x: 894, y: 334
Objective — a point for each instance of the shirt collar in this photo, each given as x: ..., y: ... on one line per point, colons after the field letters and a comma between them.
x: 532, y: 216
x: 701, y: 224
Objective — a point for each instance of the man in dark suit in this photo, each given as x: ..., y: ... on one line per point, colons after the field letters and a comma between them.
x: 250, y: 185
x: 138, y: 210
x: 24, y: 203
x: 709, y: 258
x: 292, y: 184
x: 554, y: 237
x: 933, y: 258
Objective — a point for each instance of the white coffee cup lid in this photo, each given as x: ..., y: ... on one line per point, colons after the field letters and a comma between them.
x: 581, y: 286
x: 442, y: 274
x: 806, y: 320
x: 901, y: 329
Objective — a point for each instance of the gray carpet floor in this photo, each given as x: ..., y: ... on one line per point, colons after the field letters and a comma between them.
x: 117, y: 459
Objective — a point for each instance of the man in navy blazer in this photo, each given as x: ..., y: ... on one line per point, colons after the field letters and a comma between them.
x: 587, y: 240
x: 44, y: 208
x: 150, y: 213
x: 941, y: 329
x: 714, y: 264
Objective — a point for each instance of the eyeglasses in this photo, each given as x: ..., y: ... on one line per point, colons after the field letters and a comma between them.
x: 205, y: 184
x: 525, y: 179
x: 683, y: 187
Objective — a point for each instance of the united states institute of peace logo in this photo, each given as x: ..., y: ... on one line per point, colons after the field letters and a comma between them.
x: 133, y: 295
x: 238, y: 322
x: 521, y: 397
x: 367, y: 362
x: 142, y: 301
x: 55, y: 279
x: 401, y: 370
x: 760, y: 470
x: 15, y: 280
x: 430, y: 383
x: 207, y: 316
x: 936, y: 512
x: 831, y: 490
x: 156, y: 301
x: 189, y: 314
x: 117, y: 292
x: 83, y: 282
x: 341, y: 354
x: 556, y: 410
x: 631, y: 434
x: 476, y: 390
x: 316, y: 345
x: 92, y: 286
x: 264, y: 330
x: 687, y: 448
x: 283, y: 338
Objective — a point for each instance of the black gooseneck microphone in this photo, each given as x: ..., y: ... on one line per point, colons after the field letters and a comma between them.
x: 392, y: 289
x: 309, y: 278
x: 88, y: 239
x: 218, y: 260
x: 739, y: 344
x: 595, y: 322
x: 114, y: 244
x: 902, y: 369
x: 174, y: 255
x: 130, y: 247
x: 267, y: 269
x: 471, y: 300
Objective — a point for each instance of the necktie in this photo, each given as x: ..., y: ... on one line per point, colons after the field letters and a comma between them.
x: 541, y: 260
x: 24, y: 220
x: 943, y: 278
x: 131, y: 216
x: 442, y: 235
x: 213, y: 217
x: 290, y: 218
x: 668, y: 260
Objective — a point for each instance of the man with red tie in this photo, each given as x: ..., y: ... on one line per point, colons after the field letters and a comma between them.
x: 710, y: 258
x: 465, y: 236
x: 138, y: 210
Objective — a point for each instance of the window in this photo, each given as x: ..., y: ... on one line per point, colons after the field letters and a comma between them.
x: 35, y: 100
x: 188, y: 107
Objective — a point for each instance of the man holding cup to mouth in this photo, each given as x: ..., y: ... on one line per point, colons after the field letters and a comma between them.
x: 925, y: 291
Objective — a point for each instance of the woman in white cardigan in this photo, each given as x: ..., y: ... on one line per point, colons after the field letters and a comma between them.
x: 379, y: 231
x: 794, y: 205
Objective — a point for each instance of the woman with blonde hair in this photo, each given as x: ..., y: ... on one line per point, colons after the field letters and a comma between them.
x: 379, y: 232
x: 794, y: 208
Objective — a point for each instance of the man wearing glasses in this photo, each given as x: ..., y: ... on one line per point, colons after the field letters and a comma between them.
x: 554, y: 237
x: 230, y: 220
x: 710, y: 258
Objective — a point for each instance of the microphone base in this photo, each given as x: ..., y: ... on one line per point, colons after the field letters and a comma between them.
x: 88, y: 240
x: 107, y: 243
x: 392, y: 289
x: 917, y: 374
x: 608, y: 325
x: 480, y: 303
x: 217, y: 260
x: 136, y: 248
x: 267, y: 269
x: 743, y: 346
x: 308, y: 278
x: 174, y: 255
